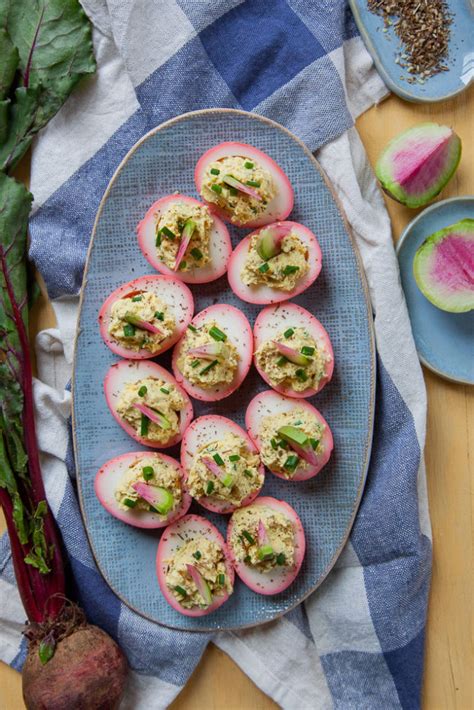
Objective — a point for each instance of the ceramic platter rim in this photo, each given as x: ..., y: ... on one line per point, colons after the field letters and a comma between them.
x: 371, y: 371
x: 392, y: 85
x: 404, y: 237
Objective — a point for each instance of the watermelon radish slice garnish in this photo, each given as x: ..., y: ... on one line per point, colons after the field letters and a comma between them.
x: 236, y: 327
x: 265, y: 550
x: 275, y: 320
x: 159, y: 498
x: 444, y: 267
x: 220, y: 247
x: 232, y: 182
x: 281, y: 576
x: 186, y: 236
x: 127, y: 371
x: 278, y: 208
x: 168, y: 289
x: 418, y: 163
x: 270, y: 403
x: 201, y: 584
x: 153, y: 415
x: 175, y: 536
x: 270, y: 245
x: 109, y: 478
x: 199, y: 434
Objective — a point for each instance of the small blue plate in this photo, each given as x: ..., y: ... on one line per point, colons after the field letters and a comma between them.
x: 384, y: 46
x: 445, y: 341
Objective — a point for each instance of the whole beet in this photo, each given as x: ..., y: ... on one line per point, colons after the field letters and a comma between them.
x: 87, y: 672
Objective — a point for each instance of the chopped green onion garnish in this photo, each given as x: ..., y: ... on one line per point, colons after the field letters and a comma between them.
x: 248, y: 165
x: 195, y: 363
x: 218, y: 459
x: 289, y: 269
x: 192, y: 328
x: 280, y: 559
x: 214, y: 171
x: 208, y: 367
x: 217, y: 334
x: 159, y: 315
x: 221, y: 579
x: 233, y: 192
x: 263, y: 268
x: 144, y: 424
x: 248, y: 473
x: 274, y: 444
x: 129, y: 330
x: 282, y: 361
x: 135, y: 299
x: 196, y: 253
x: 164, y: 390
x: 181, y: 591
x: 301, y: 375
x: 248, y: 537
x: 129, y: 502
x: 209, y: 487
x: 142, y: 391
x: 148, y: 472
x: 158, y: 240
x: 288, y: 333
x: 216, y: 188
x: 197, y: 555
x: 168, y: 233
x: 247, y: 559
x: 314, y: 443
x: 182, y: 265
x: 234, y: 457
x: 253, y: 183
x: 291, y: 462
x: 307, y: 350
x: 283, y: 444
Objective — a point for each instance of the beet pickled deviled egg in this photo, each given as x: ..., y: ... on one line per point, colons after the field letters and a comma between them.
x: 146, y: 316
x: 193, y: 566
x: 179, y: 236
x: 266, y: 544
x: 144, y: 489
x: 214, y: 356
x: 275, y: 263
x: 148, y: 403
x: 222, y: 464
x: 293, y: 352
x: 293, y: 438
x: 243, y: 185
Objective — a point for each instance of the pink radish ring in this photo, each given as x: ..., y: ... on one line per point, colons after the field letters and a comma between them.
x: 203, y: 431
x: 280, y: 577
x: 174, y: 537
x: 220, y: 247
x: 108, y: 479
x: 277, y: 209
x: 270, y: 403
x: 127, y: 371
x: 177, y: 297
x: 266, y: 294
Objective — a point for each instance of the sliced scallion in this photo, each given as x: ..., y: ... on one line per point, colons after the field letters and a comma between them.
x: 195, y: 363
x: 135, y: 299
x: 129, y: 502
x: 168, y: 233
x: 159, y: 315
x: 197, y: 555
x: 288, y: 333
x: 209, y: 487
x: 218, y: 459
x: 248, y: 537
x: 209, y: 367
x: 164, y: 390
x: 253, y: 183
x: 290, y: 269
x: 129, y: 330
x: 181, y: 591
x: 148, y: 472
x: 221, y: 579
x: 217, y: 334
x: 196, y: 253
x: 144, y: 424
x: 234, y: 457
x: 263, y: 268
x: 248, y: 165
x: 142, y: 391
x: 216, y: 188
x: 291, y: 463
x: 214, y: 171
x: 307, y: 350
x: 301, y: 375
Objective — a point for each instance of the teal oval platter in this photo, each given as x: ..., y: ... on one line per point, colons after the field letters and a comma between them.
x: 159, y: 164
x: 444, y: 341
x: 384, y: 47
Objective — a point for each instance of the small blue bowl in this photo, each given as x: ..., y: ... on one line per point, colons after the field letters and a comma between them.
x: 445, y: 341
x: 384, y: 46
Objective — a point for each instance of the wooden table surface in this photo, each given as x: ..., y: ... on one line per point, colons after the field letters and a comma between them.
x: 217, y: 683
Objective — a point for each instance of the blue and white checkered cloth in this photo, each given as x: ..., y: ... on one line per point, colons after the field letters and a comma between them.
x: 358, y: 641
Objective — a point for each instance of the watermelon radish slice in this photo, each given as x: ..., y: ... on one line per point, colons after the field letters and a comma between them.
x: 278, y: 208
x: 235, y: 325
x: 177, y: 534
x: 203, y: 431
x: 280, y: 577
x: 171, y: 291
x: 273, y: 320
x: 269, y: 403
x: 220, y: 247
x: 418, y: 163
x: 109, y: 477
x: 265, y: 294
x: 131, y: 371
x: 444, y: 267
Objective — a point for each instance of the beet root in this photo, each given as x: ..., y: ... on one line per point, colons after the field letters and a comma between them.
x: 87, y: 672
